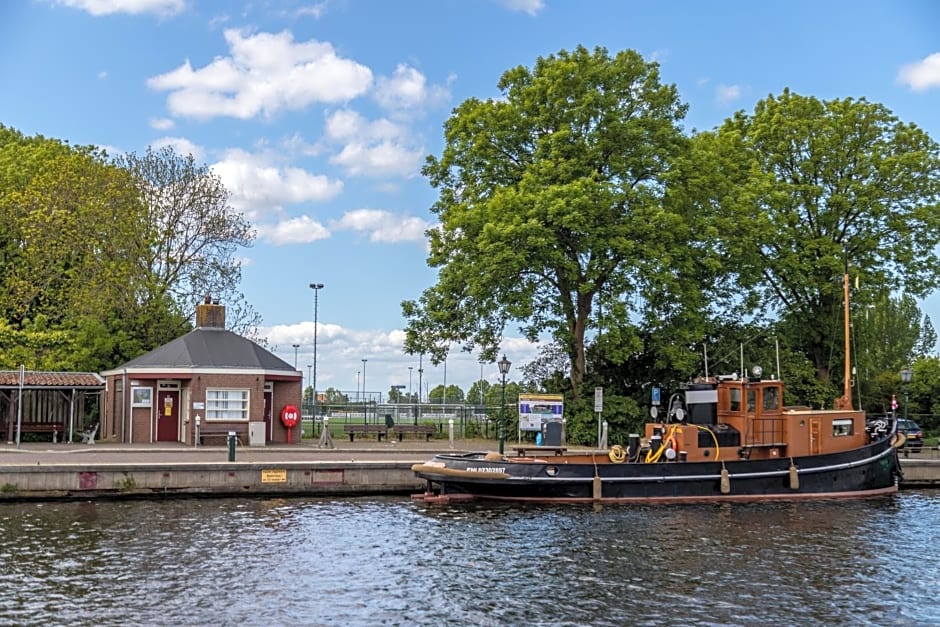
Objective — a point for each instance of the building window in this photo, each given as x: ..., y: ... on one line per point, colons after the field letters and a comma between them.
x: 843, y: 427
x: 226, y: 404
x: 141, y: 397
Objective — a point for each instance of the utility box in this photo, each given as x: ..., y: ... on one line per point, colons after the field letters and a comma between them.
x: 553, y: 433
x: 256, y: 433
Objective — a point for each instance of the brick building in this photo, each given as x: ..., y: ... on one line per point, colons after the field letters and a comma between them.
x: 209, y: 382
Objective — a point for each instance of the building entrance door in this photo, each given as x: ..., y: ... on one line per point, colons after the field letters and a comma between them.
x: 168, y: 415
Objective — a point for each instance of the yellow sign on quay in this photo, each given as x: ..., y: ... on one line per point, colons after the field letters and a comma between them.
x: 274, y: 476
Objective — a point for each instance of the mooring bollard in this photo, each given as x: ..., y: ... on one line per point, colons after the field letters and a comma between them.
x: 231, y: 446
x: 450, y: 431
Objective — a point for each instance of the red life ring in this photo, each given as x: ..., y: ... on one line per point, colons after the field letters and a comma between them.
x: 290, y: 416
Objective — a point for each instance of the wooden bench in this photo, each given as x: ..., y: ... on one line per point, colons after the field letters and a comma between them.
x: 214, y: 430
x: 353, y: 430
x: 427, y: 430
x: 55, y: 428
x: 536, y: 450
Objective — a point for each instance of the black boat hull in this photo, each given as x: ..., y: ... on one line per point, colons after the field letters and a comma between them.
x: 867, y: 471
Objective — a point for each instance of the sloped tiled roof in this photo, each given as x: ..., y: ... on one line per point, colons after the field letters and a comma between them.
x: 210, y: 347
x: 62, y: 380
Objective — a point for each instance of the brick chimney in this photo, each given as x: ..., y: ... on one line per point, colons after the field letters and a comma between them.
x: 210, y: 314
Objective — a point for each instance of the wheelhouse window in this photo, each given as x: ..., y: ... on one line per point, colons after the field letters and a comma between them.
x: 734, y: 399
x: 843, y: 427
x: 771, y: 398
x: 226, y: 404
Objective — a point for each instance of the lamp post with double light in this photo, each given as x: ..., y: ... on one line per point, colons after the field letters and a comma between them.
x: 504, y: 365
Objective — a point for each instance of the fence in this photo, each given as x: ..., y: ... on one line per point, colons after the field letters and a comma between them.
x: 470, y: 421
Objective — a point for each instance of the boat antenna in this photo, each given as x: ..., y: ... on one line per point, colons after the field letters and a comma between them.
x: 743, y: 372
x: 705, y: 351
x: 844, y: 402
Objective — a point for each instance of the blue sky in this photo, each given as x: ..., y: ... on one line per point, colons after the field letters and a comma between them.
x: 318, y: 115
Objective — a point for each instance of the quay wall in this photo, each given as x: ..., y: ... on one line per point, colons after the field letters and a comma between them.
x: 150, y: 479
x: 154, y: 480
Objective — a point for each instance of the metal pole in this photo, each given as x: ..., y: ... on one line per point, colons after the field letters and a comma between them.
x: 296, y: 346
x: 502, y: 418
x: 365, y: 400
x: 316, y: 287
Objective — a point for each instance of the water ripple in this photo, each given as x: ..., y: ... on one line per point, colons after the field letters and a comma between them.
x: 387, y: 561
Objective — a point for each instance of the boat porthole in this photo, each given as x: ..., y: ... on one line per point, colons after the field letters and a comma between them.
x: 551, y: 471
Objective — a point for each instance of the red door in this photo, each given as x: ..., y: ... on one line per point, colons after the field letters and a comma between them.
x: 268, y: 423
x: 168, y: 415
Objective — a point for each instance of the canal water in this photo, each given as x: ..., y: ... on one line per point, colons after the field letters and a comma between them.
x: 388, y: 561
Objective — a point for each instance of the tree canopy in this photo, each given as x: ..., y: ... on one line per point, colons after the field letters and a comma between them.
x: 550, y: 204
x: 804, y: 190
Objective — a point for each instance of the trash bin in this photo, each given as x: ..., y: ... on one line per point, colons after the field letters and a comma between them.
x: 553, y: 433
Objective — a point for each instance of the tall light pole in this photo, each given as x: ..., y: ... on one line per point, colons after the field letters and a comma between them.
x: 296, y: 346
x: 504, y: 365
x: 420, y: 373
x: 409, y: 382
x: 364, y: 398
x: 316, y: 287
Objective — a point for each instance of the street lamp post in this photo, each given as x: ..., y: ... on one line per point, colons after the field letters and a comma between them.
x: 296, y: 346
x: 316, y: 287
x: 906, y: 375
x: 504, y: 365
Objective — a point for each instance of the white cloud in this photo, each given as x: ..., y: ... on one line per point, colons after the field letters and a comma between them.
x: 265, y: 73
x: 379, y: 160
x: 527, y: 6
x: 134, y: 7
x: 299, y: 230
x: 383, y: 226
x: 408, y: 89
x: 258, y: 187
x: 726, y: 94
x: 103, y: 75
x: 181, y: 146
x: 921, y: 75
x: 314, y: 10
x: 161, y: 124
x: 376, y: 149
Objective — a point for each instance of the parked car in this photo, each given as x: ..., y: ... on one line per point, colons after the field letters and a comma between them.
x: 913, y: 433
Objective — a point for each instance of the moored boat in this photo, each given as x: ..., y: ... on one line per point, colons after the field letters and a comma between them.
x: 726, y: 438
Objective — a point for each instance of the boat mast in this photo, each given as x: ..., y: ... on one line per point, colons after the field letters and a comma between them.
x: 845, y: 401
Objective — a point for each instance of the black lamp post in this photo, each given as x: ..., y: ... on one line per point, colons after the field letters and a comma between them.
x: 504, y: 365
x: 906, y: 375
x: 316, y: 287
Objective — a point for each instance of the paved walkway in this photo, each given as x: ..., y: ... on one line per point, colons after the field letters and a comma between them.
x: 46, y: 453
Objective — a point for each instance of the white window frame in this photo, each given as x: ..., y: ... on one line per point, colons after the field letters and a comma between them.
x: 842, y: 427
x: 141, y: 396
x: 227, y: 404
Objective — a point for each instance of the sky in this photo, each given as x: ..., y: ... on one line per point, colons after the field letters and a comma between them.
x: 318, y: 115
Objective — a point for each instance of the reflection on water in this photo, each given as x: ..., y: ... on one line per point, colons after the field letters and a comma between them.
x: 388, y: 561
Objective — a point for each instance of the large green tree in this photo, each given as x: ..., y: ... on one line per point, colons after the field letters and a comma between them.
x: 70, y: 232
x: 194, y: 235
x: 550, y: 207
x: 804, y: 190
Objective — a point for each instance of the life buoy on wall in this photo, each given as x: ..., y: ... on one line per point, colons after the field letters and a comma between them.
x: 290, y: 416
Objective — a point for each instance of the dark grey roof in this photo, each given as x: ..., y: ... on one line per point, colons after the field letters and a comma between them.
x: 208, y: 347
